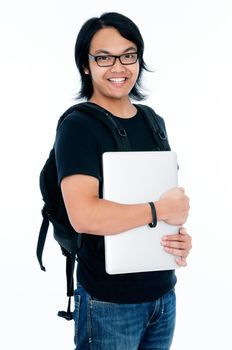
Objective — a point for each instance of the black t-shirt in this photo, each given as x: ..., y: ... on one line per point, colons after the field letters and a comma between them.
x: 80, y: 142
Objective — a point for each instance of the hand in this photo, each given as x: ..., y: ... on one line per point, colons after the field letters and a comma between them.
x: 173, y: 206
x: 178, y: 245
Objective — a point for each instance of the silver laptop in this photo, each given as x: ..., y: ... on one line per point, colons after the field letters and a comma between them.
x: 138, y: 177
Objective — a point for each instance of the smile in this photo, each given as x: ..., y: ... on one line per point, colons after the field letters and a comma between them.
x: 117, y: 80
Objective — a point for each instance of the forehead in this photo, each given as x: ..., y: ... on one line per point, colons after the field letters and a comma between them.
x: 109, y: 40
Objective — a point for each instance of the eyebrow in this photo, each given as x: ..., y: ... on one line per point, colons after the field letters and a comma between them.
x: 102, y: 51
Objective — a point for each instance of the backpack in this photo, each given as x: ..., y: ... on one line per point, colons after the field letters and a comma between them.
x: 53, y: 209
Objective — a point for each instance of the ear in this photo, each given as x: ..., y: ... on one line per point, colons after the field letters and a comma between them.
x: 86, y: 70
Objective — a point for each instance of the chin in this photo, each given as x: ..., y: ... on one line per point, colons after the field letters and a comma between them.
x: 118, y: 95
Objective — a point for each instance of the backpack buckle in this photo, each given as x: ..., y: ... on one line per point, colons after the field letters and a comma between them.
x: 68, y: 316
x: 122, y: 132
x: 162, y: 136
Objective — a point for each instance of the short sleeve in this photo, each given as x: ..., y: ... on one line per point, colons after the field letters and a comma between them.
x: 76, y: 149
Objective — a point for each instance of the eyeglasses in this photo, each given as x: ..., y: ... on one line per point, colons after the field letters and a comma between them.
x: 109, y: 60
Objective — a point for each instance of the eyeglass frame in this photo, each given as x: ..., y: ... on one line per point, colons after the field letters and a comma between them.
x: 94, y: 58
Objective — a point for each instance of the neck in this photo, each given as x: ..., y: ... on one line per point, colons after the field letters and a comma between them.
x: 124, y: 109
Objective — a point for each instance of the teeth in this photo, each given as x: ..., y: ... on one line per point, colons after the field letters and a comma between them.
x: 117, y: 80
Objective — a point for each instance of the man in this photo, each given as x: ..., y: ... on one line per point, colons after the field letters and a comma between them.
x: 130, y: 311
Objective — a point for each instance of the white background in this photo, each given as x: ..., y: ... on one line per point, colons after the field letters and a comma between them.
x: 188, y: 44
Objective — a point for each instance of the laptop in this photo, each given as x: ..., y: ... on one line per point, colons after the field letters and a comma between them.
x: 138, y: 177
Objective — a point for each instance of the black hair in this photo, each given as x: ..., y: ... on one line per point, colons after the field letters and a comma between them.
x: 127, y: 28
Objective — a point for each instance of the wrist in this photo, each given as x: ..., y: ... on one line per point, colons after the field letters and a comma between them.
x: 160, y: 211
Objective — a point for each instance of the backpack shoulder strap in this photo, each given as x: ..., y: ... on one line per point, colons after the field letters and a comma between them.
x: 119, y: 133
x: 157, y: 126
x: 70, y: 266
x: 42, y: 237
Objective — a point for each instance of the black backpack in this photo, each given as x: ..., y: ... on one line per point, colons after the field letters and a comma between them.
x: 54, y: 211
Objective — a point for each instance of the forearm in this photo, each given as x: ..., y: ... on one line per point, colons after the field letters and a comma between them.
x: 103, y: 217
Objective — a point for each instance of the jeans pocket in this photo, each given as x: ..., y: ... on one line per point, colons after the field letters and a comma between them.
x: 115, y: 326
x: 76, y: 315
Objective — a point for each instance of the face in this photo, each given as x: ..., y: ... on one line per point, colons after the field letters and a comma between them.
x: 113, y: 82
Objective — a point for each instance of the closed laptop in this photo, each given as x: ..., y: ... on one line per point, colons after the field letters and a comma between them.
x: 138, y: 177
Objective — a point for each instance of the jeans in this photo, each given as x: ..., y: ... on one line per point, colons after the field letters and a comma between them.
x: 103, y: 325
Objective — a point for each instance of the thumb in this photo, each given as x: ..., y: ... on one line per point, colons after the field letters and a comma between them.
x: 182, y: 189
x: 183, y: 230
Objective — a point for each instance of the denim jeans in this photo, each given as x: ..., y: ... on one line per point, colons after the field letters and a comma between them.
x: 103, y: 325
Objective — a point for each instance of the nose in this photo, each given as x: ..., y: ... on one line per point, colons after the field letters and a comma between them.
x: 118, y: 66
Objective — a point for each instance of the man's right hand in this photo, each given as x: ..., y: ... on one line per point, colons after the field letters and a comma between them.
x: 173, y: 206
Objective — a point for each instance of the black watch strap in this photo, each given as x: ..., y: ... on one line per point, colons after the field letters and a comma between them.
x: 154, y: 217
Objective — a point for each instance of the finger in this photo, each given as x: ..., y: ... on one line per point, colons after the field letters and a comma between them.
x: 177, y: 237
x: 177, y: 252
x: 185, y: 238
x: 182, y: 189
x: 184, y: 245
x: 175, y: 245
x: 181, y: 262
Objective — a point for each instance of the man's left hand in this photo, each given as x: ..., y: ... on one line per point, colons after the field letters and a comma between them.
x: 178, y: 245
